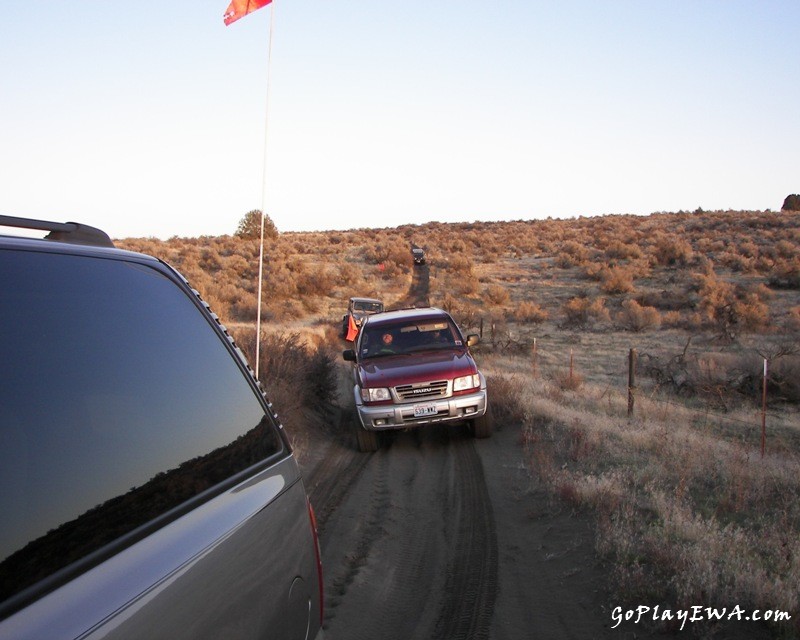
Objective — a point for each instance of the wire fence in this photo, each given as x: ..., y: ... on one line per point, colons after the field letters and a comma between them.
x: 544, y: 362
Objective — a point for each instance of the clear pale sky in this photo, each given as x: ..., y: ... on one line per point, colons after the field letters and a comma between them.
x: 147, y: 119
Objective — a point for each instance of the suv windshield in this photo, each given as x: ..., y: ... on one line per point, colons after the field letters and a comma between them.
x: 409, y: 337
x: 370, y: 307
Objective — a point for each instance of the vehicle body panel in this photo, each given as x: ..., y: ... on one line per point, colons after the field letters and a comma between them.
x: 390, y: 371
x: 238, y: 558
x: 232, y: 559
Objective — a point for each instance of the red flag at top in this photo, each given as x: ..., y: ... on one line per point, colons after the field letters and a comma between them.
x: 240, y: 8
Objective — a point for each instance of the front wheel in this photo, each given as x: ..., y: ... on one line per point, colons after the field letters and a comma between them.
x: 367, y: 440
x: 483, y: 426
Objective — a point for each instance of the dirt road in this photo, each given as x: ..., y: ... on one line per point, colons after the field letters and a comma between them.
x: 443, y: 536
x: 418, y: 294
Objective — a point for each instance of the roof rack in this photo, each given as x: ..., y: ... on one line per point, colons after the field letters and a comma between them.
x: 71, y: 232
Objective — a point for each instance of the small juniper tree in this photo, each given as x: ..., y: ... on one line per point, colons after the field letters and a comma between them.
x: 250, y: 226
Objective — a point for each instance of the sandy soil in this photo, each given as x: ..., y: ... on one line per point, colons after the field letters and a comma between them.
x: 442, y: 536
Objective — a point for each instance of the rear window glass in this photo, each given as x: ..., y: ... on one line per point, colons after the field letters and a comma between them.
x: 118, y: 402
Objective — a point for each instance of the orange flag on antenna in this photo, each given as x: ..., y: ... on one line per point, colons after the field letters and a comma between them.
x: 240, y: 8
x: 352, y: 329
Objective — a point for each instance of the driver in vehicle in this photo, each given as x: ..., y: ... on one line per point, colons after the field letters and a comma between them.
x: 386, y: 343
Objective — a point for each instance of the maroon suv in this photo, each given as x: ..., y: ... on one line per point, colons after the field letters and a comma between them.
x: 412, y: 368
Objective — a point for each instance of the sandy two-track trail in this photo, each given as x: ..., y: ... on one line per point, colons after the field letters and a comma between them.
x: 439, y: 535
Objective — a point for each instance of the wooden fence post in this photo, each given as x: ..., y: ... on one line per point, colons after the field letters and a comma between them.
x: 764, y: 410
x: 631, y: 379
x: 571, y: 368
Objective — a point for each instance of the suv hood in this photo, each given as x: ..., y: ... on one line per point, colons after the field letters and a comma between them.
x: 425, y: 366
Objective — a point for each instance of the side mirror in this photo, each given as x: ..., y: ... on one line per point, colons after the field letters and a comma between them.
x: 349, y: 355
x: 473, y: 339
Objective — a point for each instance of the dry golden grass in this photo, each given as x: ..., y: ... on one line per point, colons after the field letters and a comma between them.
x: 687, y: 509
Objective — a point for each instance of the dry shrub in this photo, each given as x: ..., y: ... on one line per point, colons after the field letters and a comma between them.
x: 635, y: 317
x: 614, y: 280
x: 279, y: 280
x: 239, y: 267
x: 351, y: 275
x: 737, y: 262
x: 533, y: 313
x: 671, y: 251
x: 318, y: 281
x: 618, y: 250
x: 394, y: 258
x: 307, y: 374
x: 300, y: 378
x: 672, y: 319
x: 505, y: 396
x: 572, y: 254
x: 210, y: 260
x: 246, y: 310
x: 582, y: 312
x: 750, y: 313
x: 786, y: 249
x: 462, y: 311
x: 461, y: 266
x: 665, y: 300
x: 786, y: 274
x: 784, y: 379
x: 793, y: 323
x: 580, y: 444
x: 568, y: 380
x: 461, y: 278
x: 729, y: 309
x: 594, y: 270
x: 496, y: 294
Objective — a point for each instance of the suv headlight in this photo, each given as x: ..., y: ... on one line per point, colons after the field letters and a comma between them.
x: 466, y: 382
x: 380, y: 394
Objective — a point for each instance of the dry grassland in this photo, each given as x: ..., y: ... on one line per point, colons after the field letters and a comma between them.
x: 687, y: 508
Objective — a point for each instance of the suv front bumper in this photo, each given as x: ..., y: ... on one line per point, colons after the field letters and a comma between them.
x: 402, y: 416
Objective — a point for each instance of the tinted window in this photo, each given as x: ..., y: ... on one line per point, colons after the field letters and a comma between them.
x: 118, y: 402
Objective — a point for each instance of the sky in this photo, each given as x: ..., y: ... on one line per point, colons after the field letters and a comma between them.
x: 154, y: 119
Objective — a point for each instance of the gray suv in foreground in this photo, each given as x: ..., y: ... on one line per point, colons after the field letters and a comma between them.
x: 147, y: 488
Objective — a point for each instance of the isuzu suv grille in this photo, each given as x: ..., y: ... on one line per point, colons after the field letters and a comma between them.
x: 422, y: 390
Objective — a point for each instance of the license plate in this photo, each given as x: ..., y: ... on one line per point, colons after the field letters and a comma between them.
x: 424, y: 410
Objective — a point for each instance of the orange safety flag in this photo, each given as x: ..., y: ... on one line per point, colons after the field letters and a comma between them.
x: 352, y: 329
x: 240, y: 8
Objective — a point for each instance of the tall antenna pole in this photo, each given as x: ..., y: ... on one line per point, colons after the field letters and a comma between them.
x: 264, y: 192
